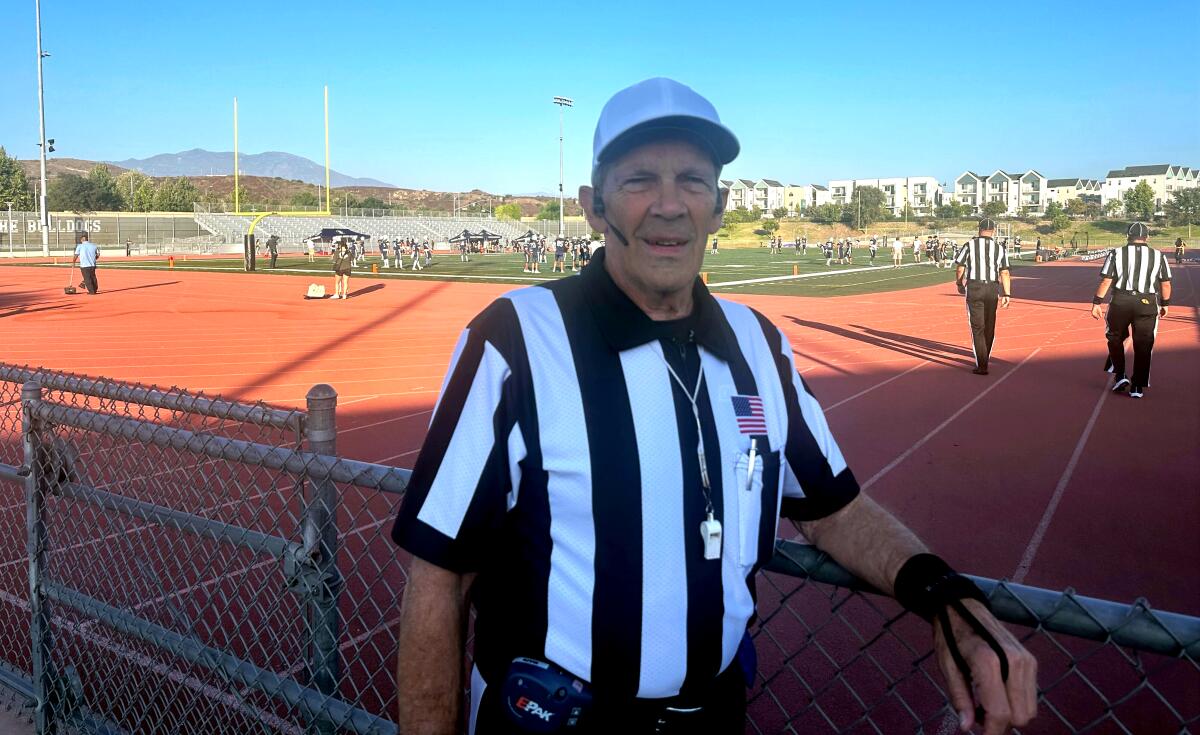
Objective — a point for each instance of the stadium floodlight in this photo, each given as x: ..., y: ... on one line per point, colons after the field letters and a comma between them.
x: 43, y: 211
x: 561, y: 102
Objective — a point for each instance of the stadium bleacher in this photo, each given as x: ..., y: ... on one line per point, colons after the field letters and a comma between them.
x: 293, y: 230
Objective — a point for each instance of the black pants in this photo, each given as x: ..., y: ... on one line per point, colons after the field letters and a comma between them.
x: 981, y: 308
x: 1139, y: 313
x: 274, y: 257
x: 89, y: 279
x: 722, y: 712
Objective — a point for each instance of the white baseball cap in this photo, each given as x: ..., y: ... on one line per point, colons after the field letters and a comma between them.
x: 662, y: 104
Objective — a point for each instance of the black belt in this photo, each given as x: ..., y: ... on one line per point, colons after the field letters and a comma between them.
x: 979, y: 280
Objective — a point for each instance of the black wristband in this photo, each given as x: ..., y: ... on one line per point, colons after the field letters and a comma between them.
x: 926, y: 584
x: 1006, y: 295
x: 1097, y: 300
x: 1164, y: 302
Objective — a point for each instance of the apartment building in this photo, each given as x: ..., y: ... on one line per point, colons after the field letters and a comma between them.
x: 1064, y: 190
x: 1165, y: 179
x: 769, y: 195
x: 1025, y: 192
x: 741, y: 194
x: 922, y: 193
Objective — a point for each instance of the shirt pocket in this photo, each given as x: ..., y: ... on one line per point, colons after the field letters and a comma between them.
x: 757, y: 501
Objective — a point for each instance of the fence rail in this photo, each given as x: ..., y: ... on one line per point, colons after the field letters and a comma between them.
x: 208, y: 566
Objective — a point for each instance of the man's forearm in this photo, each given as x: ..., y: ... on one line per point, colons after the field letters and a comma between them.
x: 1006, y: 282
x: 430, y: 650
x: 959, y: 272
x: 866, y: 539
x: 1102, y: 289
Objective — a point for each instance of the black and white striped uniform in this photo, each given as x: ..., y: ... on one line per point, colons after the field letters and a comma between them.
x: 984, y: 260
x: 1137, y: 273
x: 562, y: 465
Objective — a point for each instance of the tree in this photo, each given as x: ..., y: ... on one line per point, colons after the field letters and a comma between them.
x: 1183, y: 208
x: 508, y: 211
x: 104, y: 188
x: 1113, y: 208
x: 175, y: 195
x: 70, y: 193
x: 143, y: 196
x: 952, y: 210
x: 1139, y: 201
x: 827, y: 213
x: 739, y: 215
x: 128, y: 184
x: 304, y: 199
x: 1075, y: 207
x: 769, y: 226
x: 14, y: 187
x: 994, y: 209
x: 549, y: 210
x: 866, y: 206
x: 779, y: 212
x: 1053, y: 209
x: 373, y: 202
x: 1059, y: 222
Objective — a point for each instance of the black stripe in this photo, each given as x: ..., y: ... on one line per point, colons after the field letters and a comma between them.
x: 706, y: 604
x: 824, y: 491
x: 616, y: 501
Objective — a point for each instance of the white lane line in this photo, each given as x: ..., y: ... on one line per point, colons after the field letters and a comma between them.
x: 815, y: 274
x: 397, y: 456
x: 877, y: 385
x: 923, y: 440
x: 385, y: 421
x: 1039, y: 534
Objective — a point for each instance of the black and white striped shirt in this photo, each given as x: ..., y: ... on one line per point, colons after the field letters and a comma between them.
x: 561, y: 464
x: 1136, y: 269
x: 984, y: 259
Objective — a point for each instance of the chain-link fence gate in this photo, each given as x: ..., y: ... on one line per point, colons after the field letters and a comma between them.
x: 201, y: 566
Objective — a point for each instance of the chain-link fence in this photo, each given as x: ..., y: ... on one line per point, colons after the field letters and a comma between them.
x: 202, y: 566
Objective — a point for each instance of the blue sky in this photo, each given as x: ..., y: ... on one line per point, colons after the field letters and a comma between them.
x: 452, y: 96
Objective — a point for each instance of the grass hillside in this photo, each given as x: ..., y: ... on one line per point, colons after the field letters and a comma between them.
x: 1100, y: 233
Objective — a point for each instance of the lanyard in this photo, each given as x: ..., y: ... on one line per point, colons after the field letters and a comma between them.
x: 692, y: 397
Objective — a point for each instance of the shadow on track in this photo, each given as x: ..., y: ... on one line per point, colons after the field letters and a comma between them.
x: 942, y: 353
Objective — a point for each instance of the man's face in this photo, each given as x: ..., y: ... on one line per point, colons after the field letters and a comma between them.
x: 662, y: 196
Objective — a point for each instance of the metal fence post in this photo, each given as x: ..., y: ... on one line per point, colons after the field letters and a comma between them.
x: 321, y: 544
x: 35, y: 529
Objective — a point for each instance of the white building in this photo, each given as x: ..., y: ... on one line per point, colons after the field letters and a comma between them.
x: 769, y: 194
x: 1019, y: 193
x: 799, y: 198
x: 741, y: 194
x: 922, y: 193
x: 1165, y: 179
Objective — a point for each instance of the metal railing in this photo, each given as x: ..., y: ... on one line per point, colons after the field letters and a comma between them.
x: 205, y: 566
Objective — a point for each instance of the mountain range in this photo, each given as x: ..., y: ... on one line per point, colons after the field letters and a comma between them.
x: 199, y: 162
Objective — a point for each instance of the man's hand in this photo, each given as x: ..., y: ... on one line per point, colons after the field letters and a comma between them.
x: 962, y: 289
x: 1005, y: 301
x: 1096, y: 311
x: 1162, y: 310
x: 1005, y: 704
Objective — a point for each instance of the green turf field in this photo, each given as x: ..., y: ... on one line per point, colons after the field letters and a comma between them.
x: 741, y: 270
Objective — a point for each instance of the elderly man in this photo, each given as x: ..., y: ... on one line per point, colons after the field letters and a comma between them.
x: 605, y: 472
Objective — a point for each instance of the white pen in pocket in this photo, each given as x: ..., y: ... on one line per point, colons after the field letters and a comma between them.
x: 750, y: 464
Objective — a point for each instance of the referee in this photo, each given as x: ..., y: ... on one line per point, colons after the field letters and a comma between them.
x: 605, y: 470
x: 981, y: 272
x: 1141, y: 281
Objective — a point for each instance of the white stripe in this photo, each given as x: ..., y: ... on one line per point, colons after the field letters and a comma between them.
x: 566, y: 458
x: 462, y: 465
x: 664, y: 568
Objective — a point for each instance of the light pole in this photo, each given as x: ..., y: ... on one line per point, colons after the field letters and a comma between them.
x: 44, y: 214
x: 561, y: 102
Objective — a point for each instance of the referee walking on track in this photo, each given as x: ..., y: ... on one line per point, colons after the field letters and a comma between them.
x: 604, y: 473
x: 1141, y: 281
x: 981, y: 272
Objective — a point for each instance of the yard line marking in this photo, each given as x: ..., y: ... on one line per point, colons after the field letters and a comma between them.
x: 1039, y: 534
x: 923, y: 440
x: 816, y: 274
x: 397, y: 456
x: 877, y: 385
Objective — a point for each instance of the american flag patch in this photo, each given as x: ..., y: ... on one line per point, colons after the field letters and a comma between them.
x: 749, y: 413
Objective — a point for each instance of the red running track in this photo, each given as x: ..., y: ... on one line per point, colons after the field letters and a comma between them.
x: 1033, y: 473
